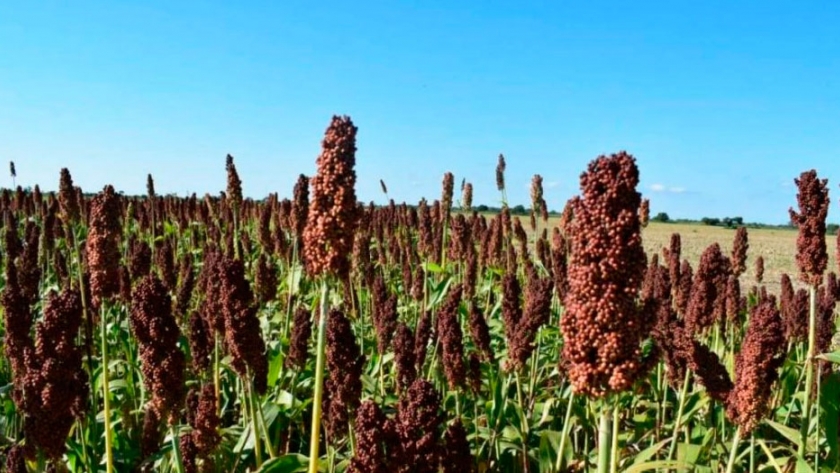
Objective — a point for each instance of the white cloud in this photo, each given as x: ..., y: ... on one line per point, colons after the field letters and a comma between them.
x: 551, y: 185
x: 663, y: 188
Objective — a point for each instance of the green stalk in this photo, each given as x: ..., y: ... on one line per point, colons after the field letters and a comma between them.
x: 677, y: 424
x: 292, y: 265
x: 809, y: 371
x: 566, y: 428
x: 315, y: 438
x: 817, y: 418
x: 604, y: 431
x: 217, y: 374
x: 733, y: 454
x: 614, y: 446
x: 176, y: 450
x: 752, y: 454
x: 252, y: 413
x: 261, y: 418
x: 106, y: 393
x: 524, y: 420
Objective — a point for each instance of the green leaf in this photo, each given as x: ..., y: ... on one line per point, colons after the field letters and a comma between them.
x: 649, y: 452
x: 787, y: 432
x: 274, y: 367
x: 657, y: 465
x: 290, y: 463
x: 430, y: 267
x: 830, y: 417
x: 802, y: 466
x: 511, y: 433
x: 833, y: 357
x: 549, y: 443
x: 776, y: 464
x: 689, y: 453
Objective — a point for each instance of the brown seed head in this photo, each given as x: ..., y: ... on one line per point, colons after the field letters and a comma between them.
x: 602, y: 326
x: 331, y: 222
x: 811, y: 253
x: 103, y: 245
x: 343, y: 388
x: 757, y: 366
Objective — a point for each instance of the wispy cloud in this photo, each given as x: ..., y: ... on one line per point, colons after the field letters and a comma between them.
x: 551, y: 185
x: 657, y: 187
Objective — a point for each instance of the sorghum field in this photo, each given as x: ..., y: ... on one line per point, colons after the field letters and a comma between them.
x: 222, y: 334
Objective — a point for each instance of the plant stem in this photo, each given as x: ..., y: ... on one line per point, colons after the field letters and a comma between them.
x: 261, y: 417
x: 106, y: 392
x: 217, y: 374
x: 315, y: 438
x: 604, y: 431
x: 809, y: 371
x: 566, y: 427
x: 176, y: 450
x: 614, y: 446
x: 817, y: 418
x: 252, y: 413
x: 676, y: 434
x: 733, y: 454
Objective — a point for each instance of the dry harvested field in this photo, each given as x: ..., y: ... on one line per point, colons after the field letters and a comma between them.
x: 777, y: 246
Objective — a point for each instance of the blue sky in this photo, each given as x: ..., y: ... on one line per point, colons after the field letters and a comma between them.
x: 722, y: 103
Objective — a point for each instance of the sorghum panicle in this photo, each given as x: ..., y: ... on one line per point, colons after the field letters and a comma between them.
x: 384, y: 314
x: 537, y: 311
x: 500, y: 173
x: 559, y: 266
x: 707, y: 303
x: 371, y: 440
x: 56, y: 385
x: 234, y: 184
x: 201, y: 342
x: 404, y: 356
x: 103, y: 245
x: 243, y: 336
x: 343, y: 387
x: 457, y: 455
x: 602, y: 326
x: 757, y: 366
x: 418, y: 424
x: 759, y: 269
x: 644, y: 213
x: 452, y: 339
x: 811, y: 252
x: 740, y: 245
x: 422, y: 335
x: 301, y: 333
x: 480, y: 333
x: 157, y: 334
x: 331, y: 222
x: 67, y: 199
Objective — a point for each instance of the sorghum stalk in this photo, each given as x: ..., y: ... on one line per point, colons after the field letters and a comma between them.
x: 614, y: 446
x: 733, y: 453
x: 565, y: 434
x: 604, y: 434
x: 314, y: 442
x: 809, y: 370
x: 106, y: 391
x: 176, y: 449
x: 677, y: 424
